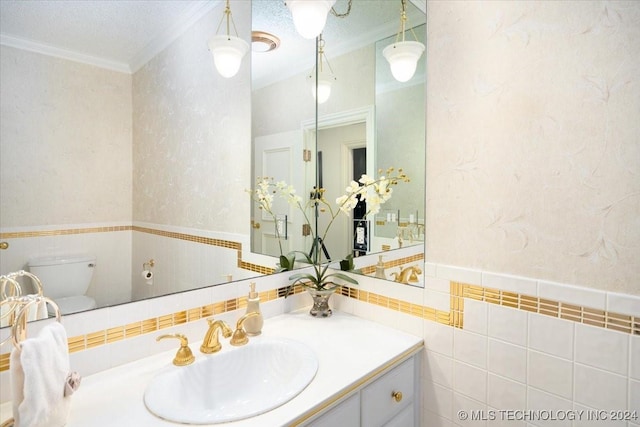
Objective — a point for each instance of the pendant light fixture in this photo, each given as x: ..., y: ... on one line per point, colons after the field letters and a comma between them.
x: 227, y: 50
x: 403, y: 55
x: 325, y: 75
x: 309, y: 16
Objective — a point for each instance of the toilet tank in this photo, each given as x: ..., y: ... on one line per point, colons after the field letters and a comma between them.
x: 63, y: 276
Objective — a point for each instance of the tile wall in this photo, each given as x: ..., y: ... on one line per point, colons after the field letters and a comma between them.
x: 483, y: 353
x: 536, y: 348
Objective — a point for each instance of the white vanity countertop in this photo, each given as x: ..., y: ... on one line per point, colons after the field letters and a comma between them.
x: 348, y: 348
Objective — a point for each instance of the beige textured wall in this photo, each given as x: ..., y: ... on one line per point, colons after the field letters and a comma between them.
x: 533, y: 139
x: 65, y: 141
x: 192, y: 134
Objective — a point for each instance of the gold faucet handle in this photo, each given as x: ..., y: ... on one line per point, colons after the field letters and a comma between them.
x: 224, y: 328
x: 240, y: 335
x: 211, y: 343
x: 414, y: 274
x: 184, y: 356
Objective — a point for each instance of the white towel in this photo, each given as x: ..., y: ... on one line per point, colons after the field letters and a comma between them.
x: 39, y: 311
x: 39, y: 372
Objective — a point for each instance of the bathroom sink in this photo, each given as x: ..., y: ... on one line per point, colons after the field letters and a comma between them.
x: 233, y: 385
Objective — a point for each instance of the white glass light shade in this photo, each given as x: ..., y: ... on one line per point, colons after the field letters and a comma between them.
x: 228, y: 52
x: 324, y: 90
x: 403, y: 58
x: 309, y: 16
x: 325, y: 81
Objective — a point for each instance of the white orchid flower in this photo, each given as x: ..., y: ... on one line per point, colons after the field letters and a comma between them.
x: 366, y: 180
x: 374, y: 191
x: 353, y: 187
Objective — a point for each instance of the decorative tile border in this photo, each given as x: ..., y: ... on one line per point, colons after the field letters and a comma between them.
x: 457, y: 304
x: 454, y: 317
x: 146, y: 326
x: 371, y: 269
x: 48, y: 233
x: 460, y: 291
x: 406, y: 307
x: 228, y: 244
x: 588, y: 316
x: 190, y: 238
x: 118, y: 333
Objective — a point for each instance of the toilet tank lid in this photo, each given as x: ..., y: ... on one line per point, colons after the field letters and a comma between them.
x: 60, y: 259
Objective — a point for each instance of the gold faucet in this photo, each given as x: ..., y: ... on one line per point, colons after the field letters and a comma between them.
x: 407, y: 275
x: 211, y: 342
x: 184, y: 356
x: 240, y: 335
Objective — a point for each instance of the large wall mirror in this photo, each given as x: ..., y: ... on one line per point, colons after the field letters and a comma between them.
x: 143, y: 163
x: 369, y: 122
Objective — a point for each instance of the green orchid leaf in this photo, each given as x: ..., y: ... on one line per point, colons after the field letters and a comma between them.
x: 284, y: 263
x: 292, y: 258
x: 307, y: 257
x: 287, y: 261
x: 303, y: 276
x: 347, y: 263
x: 342, y: 277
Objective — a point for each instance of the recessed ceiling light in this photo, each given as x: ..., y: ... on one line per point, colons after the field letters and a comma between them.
x: 263, y: 42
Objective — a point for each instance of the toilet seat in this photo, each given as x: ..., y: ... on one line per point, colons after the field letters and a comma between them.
x: 74, y: 304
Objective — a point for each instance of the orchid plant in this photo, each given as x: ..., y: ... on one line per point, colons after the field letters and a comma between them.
x: 375, y: 191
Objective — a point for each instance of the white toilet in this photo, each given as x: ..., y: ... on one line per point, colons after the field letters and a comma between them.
x: 65, y: 279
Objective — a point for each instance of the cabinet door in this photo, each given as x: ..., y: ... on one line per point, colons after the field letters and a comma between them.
x: 379, y: 400
x: 403, y: 419
x: 346, y: 414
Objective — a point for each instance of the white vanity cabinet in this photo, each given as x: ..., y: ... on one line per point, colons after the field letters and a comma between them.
x: 391, y: 399
x: 345, y: 414
x: 353, y: 387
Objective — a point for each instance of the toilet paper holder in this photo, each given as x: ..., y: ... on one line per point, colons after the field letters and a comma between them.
x: 147, y: 274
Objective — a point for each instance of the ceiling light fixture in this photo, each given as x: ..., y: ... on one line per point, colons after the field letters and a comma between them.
x: 228, y: 50
x: 263, y: 42
x: 310, y: 16
x: 325, y: 75
x: 403, y: 55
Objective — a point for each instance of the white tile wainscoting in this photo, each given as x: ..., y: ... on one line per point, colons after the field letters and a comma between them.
x: 488, y: 357
x: 501, y: 357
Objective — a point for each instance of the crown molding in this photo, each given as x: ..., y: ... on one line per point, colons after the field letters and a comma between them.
x: 159, y: 43
x: 24, y: 44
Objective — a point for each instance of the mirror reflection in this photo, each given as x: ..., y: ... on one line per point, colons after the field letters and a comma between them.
x: 125, y: 154
x: 135, y: 167
x: 369, y: 121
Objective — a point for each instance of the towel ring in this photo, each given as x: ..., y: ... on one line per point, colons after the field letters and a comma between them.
x: 12, y: 292
x: 10, y: 295
x: 33, y: 278
x: 21, y: 322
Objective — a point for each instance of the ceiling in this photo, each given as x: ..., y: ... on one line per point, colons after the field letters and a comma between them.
x: 124, y: 34
x: 117, y: 34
